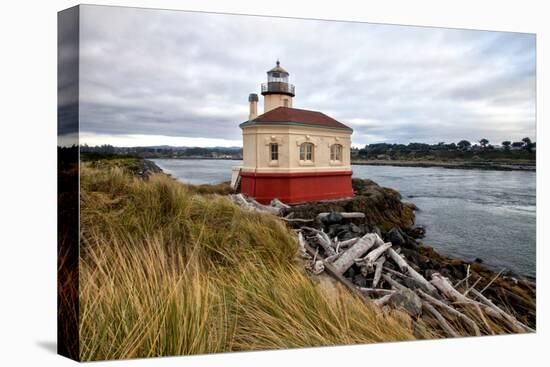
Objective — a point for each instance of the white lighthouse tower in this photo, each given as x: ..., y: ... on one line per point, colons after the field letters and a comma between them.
x: 277, y: 92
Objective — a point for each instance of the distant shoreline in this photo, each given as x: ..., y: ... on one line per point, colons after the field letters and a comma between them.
x: 483, y: 165
x: 196, y: 158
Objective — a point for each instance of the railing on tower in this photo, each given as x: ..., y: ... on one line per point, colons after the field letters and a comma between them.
x: 278, y: 87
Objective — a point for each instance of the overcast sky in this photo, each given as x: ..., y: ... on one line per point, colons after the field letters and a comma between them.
x: 152, y: 77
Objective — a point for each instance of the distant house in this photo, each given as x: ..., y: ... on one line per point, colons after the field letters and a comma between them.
x: 293, y: 154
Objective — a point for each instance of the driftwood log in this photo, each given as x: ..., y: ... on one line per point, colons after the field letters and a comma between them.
x: 450, y: 310
x: 252, y: 204
x: 352, y: 215
x: 367, y: 262
x: 276, y: 203
x: 376, y: 291
x: 348, y: 243
x: 440, y: 319
x: 518, y: 325
x: 378, y: 271
x: 326, y: 244
x: 438, y: 297
x: 364, y: 244
x: 329, y: 268
x: 409, y: 270
x: 487, y: 306
x: 382, y: 301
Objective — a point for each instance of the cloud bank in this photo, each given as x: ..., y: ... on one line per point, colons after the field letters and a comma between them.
x: 185, y: 77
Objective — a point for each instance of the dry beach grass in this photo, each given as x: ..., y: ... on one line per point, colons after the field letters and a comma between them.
x: 168, y: 269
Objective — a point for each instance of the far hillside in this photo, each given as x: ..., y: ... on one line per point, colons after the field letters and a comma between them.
x: 464, y: 150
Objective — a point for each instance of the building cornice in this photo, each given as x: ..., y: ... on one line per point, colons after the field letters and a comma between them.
x: 288, y: 123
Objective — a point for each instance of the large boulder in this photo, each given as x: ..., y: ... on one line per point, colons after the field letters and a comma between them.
x: 406, y: 300
x: 396, y: 237
x: 332, y: 218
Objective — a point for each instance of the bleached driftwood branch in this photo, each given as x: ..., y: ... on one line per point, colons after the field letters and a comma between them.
x: 440, y: 299
x: 251, y: 204
x: 449, y: 309
x: 398, y: 260
x: 440, y: 319
x: 351, y: 215
x: 347, y: 259
x: 367, y: 262
x: 518, y: 325
x: 326, y: 244
x: 378, y: 271
x: 348, y: 243
x: 302, y: 246
x: 383, y: 300
x: 376, y: 291
x: 409, y: 270
x: 276, y: 203
x: 392, y: 282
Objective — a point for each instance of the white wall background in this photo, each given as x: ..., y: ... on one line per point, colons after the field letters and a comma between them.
x: 28, y: 181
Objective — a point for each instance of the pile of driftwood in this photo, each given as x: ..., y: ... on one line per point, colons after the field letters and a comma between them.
x: 393, y: 281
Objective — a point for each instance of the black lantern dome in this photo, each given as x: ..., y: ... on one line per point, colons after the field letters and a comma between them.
x: 277, y: 82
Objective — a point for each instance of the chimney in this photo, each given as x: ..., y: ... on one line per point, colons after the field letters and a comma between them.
x: 253, y: 99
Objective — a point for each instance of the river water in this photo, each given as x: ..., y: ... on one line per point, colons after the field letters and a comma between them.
x: 467, y: 213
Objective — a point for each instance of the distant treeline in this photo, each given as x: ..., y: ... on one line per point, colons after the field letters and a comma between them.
x: 464, y: 149
x: 167, y: 151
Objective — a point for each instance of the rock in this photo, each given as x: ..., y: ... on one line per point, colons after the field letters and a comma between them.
x: 410, y: 242
x: 339, y: 230
x: 354, y: 228
x: 376, y: 230
x: 332, y: 218
x: 395, y: 236
x: 360, y: 280
x: 410, y: 283
x: 350, y: 273
x: 478, y: 260
x: 407, y: 300
x: 382, y: 206
x: 346, y: 236
x: 417, y: 232
x: 429, y: 272
x: 413, y: 257
x: 445, y: 272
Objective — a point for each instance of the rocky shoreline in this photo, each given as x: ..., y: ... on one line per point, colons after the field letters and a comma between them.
x: 482, y: 165
x: 393, y: 220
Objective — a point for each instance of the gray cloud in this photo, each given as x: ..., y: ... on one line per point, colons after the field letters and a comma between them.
x: 174, y: 73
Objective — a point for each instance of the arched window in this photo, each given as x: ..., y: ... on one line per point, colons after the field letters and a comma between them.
x: 336, y: 152
x: 274, y: 151
x: 306, y: 152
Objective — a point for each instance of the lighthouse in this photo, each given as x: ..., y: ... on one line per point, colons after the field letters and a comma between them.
x: 292, y: 154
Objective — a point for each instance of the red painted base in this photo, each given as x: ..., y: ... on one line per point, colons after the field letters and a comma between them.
x: 295, y: 188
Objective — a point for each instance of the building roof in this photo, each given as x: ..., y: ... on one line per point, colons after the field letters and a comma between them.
x: 278, y: 68
x: 295, y: 116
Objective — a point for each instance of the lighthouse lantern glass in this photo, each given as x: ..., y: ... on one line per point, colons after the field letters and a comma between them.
x: 276, y: 77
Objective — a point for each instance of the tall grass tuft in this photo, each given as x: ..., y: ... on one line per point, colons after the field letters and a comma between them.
x: 165, y: 270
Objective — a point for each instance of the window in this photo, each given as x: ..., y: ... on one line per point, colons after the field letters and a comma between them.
x: 336, y: 152
x: 276, y: 75
x: 274, y: 148
x: 285, y: 101
x: 306, y: 152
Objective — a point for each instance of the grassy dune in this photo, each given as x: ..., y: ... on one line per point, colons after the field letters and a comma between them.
x: 169, y: 269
